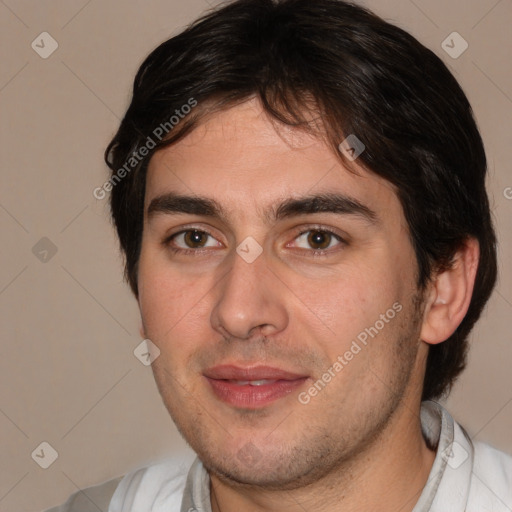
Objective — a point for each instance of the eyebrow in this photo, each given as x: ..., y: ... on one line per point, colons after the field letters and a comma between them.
x: 173, y: 203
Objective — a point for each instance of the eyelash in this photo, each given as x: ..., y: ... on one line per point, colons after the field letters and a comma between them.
x: 198, y: 252
x: 320, y: 229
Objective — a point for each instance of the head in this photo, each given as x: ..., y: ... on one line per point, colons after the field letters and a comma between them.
x: 243, y: 113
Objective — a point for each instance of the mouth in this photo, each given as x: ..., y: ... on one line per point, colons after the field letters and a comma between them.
x: 252, y: 387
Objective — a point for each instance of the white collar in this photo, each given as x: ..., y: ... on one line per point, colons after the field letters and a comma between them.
x: 449, y: 480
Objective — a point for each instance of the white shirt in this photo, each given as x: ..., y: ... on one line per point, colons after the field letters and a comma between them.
x: 465, y: 477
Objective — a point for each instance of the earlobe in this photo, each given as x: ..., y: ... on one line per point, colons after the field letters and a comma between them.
x: 450, y: 295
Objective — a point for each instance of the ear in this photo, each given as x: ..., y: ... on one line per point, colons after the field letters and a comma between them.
x: 450, y: 294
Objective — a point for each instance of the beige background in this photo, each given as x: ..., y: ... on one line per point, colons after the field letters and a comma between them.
x: 69, y: 325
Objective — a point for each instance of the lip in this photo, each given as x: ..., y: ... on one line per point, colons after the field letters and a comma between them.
x: 222, y: 382
x: 232, y: 372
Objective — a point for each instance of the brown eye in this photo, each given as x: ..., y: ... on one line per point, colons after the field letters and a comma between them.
x: 191, y: 240
x: 194, y: 238
x: 319, y: 239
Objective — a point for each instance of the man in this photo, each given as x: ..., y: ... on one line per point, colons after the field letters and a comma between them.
x: 299, y: 190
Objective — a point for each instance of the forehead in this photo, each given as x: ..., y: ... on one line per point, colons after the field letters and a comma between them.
x: 239, y: 157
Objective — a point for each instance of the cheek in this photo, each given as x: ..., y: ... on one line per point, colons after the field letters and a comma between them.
x: 166, y: 298
x: 355, y: 296
x: 175, y: 308
x: 367, y: 307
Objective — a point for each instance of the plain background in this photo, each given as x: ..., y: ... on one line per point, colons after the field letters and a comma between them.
x: 69, y: 325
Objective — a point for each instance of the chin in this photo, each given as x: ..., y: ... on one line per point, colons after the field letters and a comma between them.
x: 250, y: 467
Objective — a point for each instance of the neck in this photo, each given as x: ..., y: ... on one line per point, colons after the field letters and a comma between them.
x: 388, y: 475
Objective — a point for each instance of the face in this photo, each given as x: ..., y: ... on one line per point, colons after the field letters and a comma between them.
x: 280, y: 289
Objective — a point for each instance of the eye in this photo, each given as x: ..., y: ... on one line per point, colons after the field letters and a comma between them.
x: 191, y: 239
x: 319, y: 240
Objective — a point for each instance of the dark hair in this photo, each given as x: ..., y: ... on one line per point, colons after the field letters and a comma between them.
x: 354, y: 73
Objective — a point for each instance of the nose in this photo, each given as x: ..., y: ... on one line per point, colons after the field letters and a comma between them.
x: 249, y: 298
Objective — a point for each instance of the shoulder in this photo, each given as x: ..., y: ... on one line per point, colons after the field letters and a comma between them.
x: 91, y: 499
x: 491, y: 480
x: 160, y: 482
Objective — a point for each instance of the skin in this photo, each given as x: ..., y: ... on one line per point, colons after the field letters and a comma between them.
x: 358, y: 443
